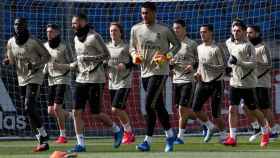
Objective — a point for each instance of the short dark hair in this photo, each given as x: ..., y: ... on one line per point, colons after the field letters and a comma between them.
x: 149, y: 5
x: 255, y: 28
x: 180, y: 21
x: 240, y: 24
x: 81, y: 16
x: 53, y: 26
x: 21, y: 20
x: 209, y: 27
x: 236, y: 20
x: 120, y: 28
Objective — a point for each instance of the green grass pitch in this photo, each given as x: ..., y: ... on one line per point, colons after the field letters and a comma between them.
x: 102, y: 148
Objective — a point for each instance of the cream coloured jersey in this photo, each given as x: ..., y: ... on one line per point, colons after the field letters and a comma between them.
x: 187, y: 55
x: 59, y: 55
x: 148, y: 40
x: 244, y: 72
x: 211, y: 63
x: 263, y: 58
x: 29, y: 60
x: 90, y: 56
x: 119, y: 54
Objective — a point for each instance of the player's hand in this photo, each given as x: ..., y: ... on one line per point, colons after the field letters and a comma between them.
x: 197, y: 76
x: 232, y: 60
x: 137, y: 58
x: 159, y: 59
x: 72, y: 66
x: 169, y: 55
x: 120, y: 67
x: 228, y: 71
x: 45, y: 69
x: 6, y: 61
x: 172, y: 61
x: 188, y: 68
x: 32, y: 67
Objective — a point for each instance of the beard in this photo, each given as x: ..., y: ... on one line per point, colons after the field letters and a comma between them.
x: 255, y: 41
x: 54, y: 43
x: 21, y: 36
x: 81, y: 33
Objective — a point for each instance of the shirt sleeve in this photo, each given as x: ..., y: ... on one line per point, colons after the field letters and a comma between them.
x: 102, y: 47
x: 10, y: 53
x: 132, y: 42
x: 176, y: 45
x: 266, y: 56
x: 42, y: 53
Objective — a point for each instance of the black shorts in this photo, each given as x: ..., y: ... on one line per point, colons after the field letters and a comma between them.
x: 264, y: 97
x: 29, y: 92
x: 56, y: 94
x: 119, y: 97
x: 91, y: 92
x: 203, y: 91
x: 247, y: 94
x: 183, y: 94
x: 154, y: 87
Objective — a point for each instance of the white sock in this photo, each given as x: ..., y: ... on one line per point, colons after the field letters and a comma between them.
x: 264, y: 130
x: 232, y: 132
x: 80, y: 139
x: 181, y: 133
x: 62, y: 133
x: 148, y: 139
x: 169, y: 133
x: 127, y: 127
x: 42, y: 131
x: 115, y: 128
x: 255, y: 125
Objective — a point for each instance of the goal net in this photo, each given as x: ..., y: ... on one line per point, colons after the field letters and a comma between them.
x: 13, y: 123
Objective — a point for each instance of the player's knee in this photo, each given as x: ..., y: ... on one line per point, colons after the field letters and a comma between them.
x: 57, y: 107
x: 29, y: 105
x: 114, y: 110
x: 76, y: 113
x: 232, y: 109
x: 50, y: 110
x: 28, y: 110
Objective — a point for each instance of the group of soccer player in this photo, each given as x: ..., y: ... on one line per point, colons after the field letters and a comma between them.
x: 197, y: 72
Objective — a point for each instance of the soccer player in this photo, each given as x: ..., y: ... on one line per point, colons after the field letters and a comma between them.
x: 92, y: 53
x: 263, y: 60
x: 243, y: 82
x: 57, y: 70
x: 120, y: 67
x: 254, y: 122
x: 184, y: 64
x: 210, y: 72
x: 149, y: 47
x: 29, y: 57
